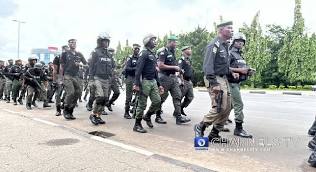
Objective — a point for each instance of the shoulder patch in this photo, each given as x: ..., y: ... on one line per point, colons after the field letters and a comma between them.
x: 217, y: 43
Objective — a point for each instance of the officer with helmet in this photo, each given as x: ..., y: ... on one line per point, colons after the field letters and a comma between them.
x: 100, y: 74
x: 238, y: 65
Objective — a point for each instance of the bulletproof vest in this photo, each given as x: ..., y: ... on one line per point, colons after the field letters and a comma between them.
x: 237, y: 61
x: 16, y: 69
x: 104, y: 65
x: 187, y: 67
x: 70, y: 66
x: 170, y: 59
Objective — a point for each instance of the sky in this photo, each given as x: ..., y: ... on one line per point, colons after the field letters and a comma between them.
x: 53, y: 22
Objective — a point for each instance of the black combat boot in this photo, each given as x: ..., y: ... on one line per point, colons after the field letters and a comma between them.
x: 239, y: 131
x: 28, y: 106
x: 109, y: 106
x: 147, y: 118
x: 104, y: 112
x: 45, y: 104
x: 312, y: 143
x: 138, y: 126
x: 34, y: 104
x: 66, y: 113
x: 20, y: 101
x: 215, y: 138
x: 100, y: 120
x: 126, y: 114
x: 93, y: 119
x: 58, y: 110
x: 312, y: 130
x: 71, y: 111
x: 182, y: 119
x: 312, y: 159
x: 8, y: 100
x: 158, y: 119
x: 199, y: 129
x: 15, y: 102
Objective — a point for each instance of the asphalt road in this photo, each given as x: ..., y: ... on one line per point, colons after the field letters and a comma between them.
x: 279, y: 124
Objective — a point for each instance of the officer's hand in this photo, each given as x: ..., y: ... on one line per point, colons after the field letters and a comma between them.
x: 161, y: 90
x: 216, y: 89
x: 244, y: 71
x: 177, y: 68
x: 136, y: 88
x: 235, y: 75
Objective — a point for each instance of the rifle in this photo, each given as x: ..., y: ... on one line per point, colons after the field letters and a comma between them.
x: 35, y: 81
x: 219, y: 101
x: 134, y: 104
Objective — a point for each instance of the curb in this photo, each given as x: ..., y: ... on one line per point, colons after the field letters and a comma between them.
x: 292, y: 93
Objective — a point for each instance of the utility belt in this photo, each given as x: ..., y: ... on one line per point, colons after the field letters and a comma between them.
x: 103, y: 77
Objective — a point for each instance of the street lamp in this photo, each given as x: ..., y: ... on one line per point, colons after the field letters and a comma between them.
x: 19, y: 25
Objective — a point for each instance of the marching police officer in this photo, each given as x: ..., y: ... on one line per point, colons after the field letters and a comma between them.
x: 50, y: 89
x: 16, y: 72
x: 34, y: 77
x: 57, y: 85
x: 216, y: 68
x: 238, y: 65
x: 2, y: 79
x: 114, y: 85
x: 130, y: 68
x: 185, y: 65
x: 8, y: 80
x: 168, y: 66
x: 69, y: 66
x: 147, y: 84
x: 100, y: 73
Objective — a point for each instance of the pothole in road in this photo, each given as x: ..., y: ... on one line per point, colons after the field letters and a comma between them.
x: 61, y: 142
x: 102, y: 134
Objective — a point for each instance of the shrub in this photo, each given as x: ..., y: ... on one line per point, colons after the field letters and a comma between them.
x: 272, y: 87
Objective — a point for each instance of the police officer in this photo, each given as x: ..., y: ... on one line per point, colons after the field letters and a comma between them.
x: 34, y: 77
x: 312, y: 129
x: 114, y: 85
x: 147, y: 84
x: 168, y: 67
x: 16, y: 72
x: 100, y: 73
x: 50, y: 89
x: 216, y: 68
x: 31, y: 62
x: 69, y: 66
x: 8, y: 80
x: 185, y: 65
x: 2, y: 79
x: 130, y: 68
x: 238, y: 65
x: 58, y: 86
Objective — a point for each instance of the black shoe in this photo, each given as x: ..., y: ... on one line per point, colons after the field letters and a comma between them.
x: 8, y: 101
x: 138, y: 126
x: 80, y: 100
x: 68, y: 114
x: 28, y: 107
x: 89, y: 108
x: 199, y: 129
x: 45, y: 105
x: 20, y: 101
x: 104, y: 113
x: 109, y: 106
x: 127, y: 116
x: 58, y: 113
x: 147, y: 118
x: 34, y: 104
x: 241, y: 133
x: 312, y: 130
x: 100, y: 120
x: 159, y: 120
x: 15, y: 102
x: 93, y: 119
x: 182, y: 112
x: 182, y: 120
x: 229, y: 121
x: 312, y: 159
x: 51, y: 101
x: 224, y: 129
x: 312, y: 143
x: 215, y: 138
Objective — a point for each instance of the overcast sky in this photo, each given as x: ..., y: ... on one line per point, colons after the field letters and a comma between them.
x: 53, y: 22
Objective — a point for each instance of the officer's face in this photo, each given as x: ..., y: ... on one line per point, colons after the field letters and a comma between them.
x: 10, y: 62
x: 188, y: 52
x: 152, y: 43
x: 173, y: 44
x: 227, y: 31
x: 72, y: 45
x: 239, y: 44
x: 136, y: 51
x: 104, y: 43
x: 18, y: 63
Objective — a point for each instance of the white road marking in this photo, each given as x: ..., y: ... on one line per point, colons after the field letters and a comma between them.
x: 45, y: 122
x: 124, y: 146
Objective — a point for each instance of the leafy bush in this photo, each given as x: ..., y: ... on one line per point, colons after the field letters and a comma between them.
x: 272, y: 87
